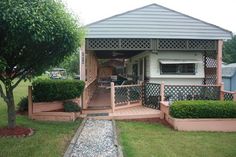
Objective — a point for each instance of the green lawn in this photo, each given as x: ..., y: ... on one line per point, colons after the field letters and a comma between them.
x: 50, y: 138
x: 140, y: 139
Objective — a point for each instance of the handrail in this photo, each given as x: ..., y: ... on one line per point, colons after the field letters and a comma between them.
x: 135, y: 85
x: 230, y: 92
x: 196, y: 85
x: 88, y: 83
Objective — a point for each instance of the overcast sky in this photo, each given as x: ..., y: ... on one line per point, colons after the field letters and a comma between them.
x: 219, y: 12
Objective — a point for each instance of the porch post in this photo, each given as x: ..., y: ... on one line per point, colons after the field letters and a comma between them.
x: 162, y: 92
x: 222, y: 91
x: 112, y: 96
x: 82, y: 75
x: 219, y: 62
x: 143, y: 69
x: 30, y: 102
x: 82, y: 63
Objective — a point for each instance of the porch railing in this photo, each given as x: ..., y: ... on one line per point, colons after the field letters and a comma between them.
x: 125, y: 94
x: 191, y: 92
x: 228, y: 95
x: 89, y: 90
x: 151, y: 94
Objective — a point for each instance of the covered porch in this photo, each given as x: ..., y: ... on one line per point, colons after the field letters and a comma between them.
x: 117, y: 77
x: 155, y: 54
x: 105, y: 85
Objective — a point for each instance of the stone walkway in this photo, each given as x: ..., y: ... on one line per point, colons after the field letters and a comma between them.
x: 96, y: 138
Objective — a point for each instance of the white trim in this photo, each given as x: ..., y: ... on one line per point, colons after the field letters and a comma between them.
x: 178, y: 76
x: 175, y: 61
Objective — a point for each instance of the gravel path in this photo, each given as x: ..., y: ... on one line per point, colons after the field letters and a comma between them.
x: 95, y: 140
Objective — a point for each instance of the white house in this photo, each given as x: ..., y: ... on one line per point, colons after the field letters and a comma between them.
x: 157, y: 44
x: 172, y: 46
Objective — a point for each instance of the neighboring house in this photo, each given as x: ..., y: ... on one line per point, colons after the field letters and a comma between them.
x: 229, y: 76
x: 158, y: 45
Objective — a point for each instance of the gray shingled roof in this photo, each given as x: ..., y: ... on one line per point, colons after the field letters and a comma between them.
x: 155, y: 21
x: 228, y: 71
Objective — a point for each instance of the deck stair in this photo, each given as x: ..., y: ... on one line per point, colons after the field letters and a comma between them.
x: 136, y: 112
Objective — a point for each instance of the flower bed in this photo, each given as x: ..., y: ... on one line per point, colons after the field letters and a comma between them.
x: 198, y: 124
x: 46, y: 111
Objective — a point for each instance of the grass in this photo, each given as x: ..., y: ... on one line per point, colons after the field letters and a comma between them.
x: 140, y: 139
x: 50, y: 138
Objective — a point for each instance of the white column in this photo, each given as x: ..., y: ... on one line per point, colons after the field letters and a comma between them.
x: 82, y: 63
x: 143, y: 66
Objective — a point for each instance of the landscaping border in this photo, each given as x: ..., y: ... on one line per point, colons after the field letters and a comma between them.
x: 199, y: 124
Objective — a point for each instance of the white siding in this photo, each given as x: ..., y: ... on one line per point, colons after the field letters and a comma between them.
x: 177, y: 81
x: 155, y: 21
x: 155, y: 75
x: 153, y: 67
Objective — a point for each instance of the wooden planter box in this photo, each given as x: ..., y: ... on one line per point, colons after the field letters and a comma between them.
x: 206, y: 124
x: 46, y: 111
x: 55, y: 116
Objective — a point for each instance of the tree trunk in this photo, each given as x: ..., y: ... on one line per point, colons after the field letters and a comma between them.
x: 10, y: 107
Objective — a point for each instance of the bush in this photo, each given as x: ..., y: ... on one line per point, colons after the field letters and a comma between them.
x: 23, y: 104
x: 70, y: 106
x: 203, y: 109
x: 51, y: 90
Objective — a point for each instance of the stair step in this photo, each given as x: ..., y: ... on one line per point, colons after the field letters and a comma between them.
x: 94, y: 111
x: 97, y: 114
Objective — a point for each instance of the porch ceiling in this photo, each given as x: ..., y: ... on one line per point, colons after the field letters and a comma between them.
x: 115, y: 54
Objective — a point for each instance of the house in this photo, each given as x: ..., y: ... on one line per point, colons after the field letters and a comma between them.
x: 157, y: 45
x: 229, y: 76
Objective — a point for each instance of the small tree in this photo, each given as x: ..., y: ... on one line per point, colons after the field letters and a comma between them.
x: 229, y: 51
x: 34, y: 35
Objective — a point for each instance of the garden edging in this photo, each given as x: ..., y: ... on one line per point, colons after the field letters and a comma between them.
x: 206, y: 124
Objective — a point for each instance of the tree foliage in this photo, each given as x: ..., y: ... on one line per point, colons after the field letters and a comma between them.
x: 71, y: 63
x: 34, y: 35
x: 229, y: 50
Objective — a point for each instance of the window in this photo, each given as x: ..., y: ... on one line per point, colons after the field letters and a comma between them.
x: 179, y: 69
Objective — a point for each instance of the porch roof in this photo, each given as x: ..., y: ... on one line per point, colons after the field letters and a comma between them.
x: 155, y: 21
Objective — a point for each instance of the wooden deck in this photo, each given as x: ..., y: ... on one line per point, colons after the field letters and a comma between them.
x: 99, y: 107
x: 135, y: 113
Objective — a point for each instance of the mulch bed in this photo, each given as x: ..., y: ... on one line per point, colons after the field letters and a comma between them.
x: 24, y: 113
x: 18, y: 131
x: 150, y: 120
x: 58, y: 110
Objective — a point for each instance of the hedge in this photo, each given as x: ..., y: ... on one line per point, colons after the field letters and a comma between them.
x: 203, y: 109
x: 51, y: 90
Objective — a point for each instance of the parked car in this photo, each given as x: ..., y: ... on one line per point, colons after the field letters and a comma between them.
x: 58, y: 73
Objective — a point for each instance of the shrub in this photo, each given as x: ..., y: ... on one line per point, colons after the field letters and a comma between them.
x: 23, y: 104
x: 203, y: 109
x: 51, y: 90
x: 70, y: 106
